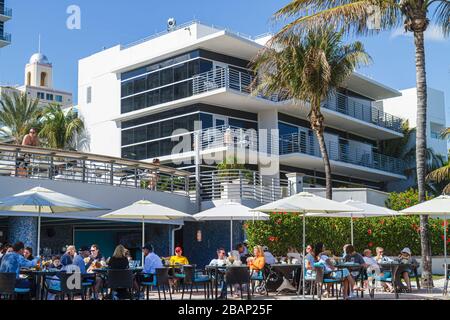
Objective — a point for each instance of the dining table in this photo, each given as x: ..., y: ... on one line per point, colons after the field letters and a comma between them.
x: 37, y: 277
x: 396, y: 269
x: 288, y: 274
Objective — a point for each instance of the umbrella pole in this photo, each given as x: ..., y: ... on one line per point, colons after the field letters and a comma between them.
x: 143, y: 241
x: 351, y: 227
x: 231, y: 235
x: 39, y: 232
x: 304, y: 257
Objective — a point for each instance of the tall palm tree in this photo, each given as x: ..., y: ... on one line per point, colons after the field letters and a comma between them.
x: 18, y: 113
x: 60, y: 128
x: 309, y: 69
x: 369, y: 17
x: 442, y: 174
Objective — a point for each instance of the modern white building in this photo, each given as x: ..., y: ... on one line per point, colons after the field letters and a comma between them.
x: 134, y: 97
x: 5, y: 15
x: 38, y: 83
x: 406, y: 106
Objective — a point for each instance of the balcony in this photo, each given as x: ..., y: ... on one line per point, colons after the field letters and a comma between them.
x: 346, y: 157
x: 5, y: 39
x: 5, y: 14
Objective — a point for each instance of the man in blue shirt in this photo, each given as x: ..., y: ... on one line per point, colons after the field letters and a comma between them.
x: 79, y: 258
x: 152, y: 260
x: 14, y: 261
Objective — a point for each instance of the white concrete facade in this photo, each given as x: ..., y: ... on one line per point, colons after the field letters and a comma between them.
x: 406, y: 107
x: 100, y: 100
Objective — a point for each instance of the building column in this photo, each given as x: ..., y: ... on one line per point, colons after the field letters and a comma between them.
x: 23, y: 229
x: 296, y: 182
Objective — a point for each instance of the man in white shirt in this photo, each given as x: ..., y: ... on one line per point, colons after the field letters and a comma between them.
x: 221, y: 258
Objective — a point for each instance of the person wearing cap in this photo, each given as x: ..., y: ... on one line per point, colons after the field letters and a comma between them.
x: 78, y: 261
x: 151, y: 261
x: 178, y: 258
x: 406, y: 257
x: 270, y: 259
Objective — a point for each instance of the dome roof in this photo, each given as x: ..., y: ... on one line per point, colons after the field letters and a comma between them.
x: 39, y: 58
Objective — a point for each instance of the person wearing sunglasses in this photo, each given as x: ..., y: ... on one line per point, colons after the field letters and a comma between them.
x: 178, y: 258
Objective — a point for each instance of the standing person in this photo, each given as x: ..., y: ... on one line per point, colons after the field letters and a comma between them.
x: 23, y: 160
x: 14, y: 261
x: 154, y: 175
x: 31, y: 139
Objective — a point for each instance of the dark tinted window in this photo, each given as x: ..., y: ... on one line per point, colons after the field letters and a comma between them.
x: 153, y: 80
x: 166, y: 76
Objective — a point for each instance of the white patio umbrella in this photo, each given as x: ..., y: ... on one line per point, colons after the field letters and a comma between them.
x: 40, y: 200
x: 368, y: 211
x: 438, y: 207
x: 146, y: 210
x: 232, y: 211
x: 306, y: 203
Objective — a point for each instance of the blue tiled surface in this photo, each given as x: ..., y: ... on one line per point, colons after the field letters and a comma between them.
x: 23, y: 229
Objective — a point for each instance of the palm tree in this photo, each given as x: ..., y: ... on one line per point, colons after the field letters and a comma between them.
x: 18, y: 114
x: 442, y: 174
x: 309, y: 69
x: 368, y: 17
x: 60, y: 128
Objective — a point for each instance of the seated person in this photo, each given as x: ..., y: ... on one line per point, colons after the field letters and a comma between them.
x: 56, y: 263
x: 28, y: 253
x: 380, y: 257
x: 270, y: 259
x: 257, y: 262
x: 333, y: 273
x: 309, y: 262
x: 372, y: 266
x: 221, y: 260
x: 67, y: 258
x: 178, y: 258
x: 243, y: 254
x: 14, y: 261
x: 119, y: 261
x: 151, y: 261
x: 406, y: 257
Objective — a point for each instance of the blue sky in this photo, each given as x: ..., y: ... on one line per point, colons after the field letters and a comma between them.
x: 107, y: 23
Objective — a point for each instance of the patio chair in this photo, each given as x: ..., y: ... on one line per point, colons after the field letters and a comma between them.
x: 191, y: 278
x: 162, y: 280
x: 324, y: 279
x: 58, y: 285
x: 8, y: 286
x: 238, y: 276
x: 121, y: 279
x: 146, y: 281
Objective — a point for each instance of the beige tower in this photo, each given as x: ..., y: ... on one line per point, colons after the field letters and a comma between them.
x: 39, y: 72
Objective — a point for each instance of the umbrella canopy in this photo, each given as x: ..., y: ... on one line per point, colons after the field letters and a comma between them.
x: 230, y: 211
x: 147, y: 210
x: 305, y: 202
x: 439, y: 206
x: 47, y: 201
x: 43, y: 200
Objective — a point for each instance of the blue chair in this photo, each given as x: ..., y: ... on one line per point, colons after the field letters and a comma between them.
x: 8, y: 286
x: 57, y: 285
x: 190, y: 278
x: 147, y: 281
x: 324, y: 278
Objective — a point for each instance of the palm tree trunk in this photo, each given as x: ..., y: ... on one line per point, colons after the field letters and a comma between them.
x: 421, y: 154
x: 317, y: 125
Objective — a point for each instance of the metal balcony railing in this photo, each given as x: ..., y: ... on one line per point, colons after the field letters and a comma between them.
x: 363, y: 111
x: 242, y: 184
x: 58, y: 165
x: 343, y: 152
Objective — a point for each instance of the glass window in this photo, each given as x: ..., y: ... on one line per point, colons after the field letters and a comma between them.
x: 153, y: 98
x: 205, y: 65
x: 127, y: 137
x: 166, y: 94
x: 41, y: 95
x: 153, y: 131
x: 140, y: 134
x: 180, y: 72
x: 166, y: 128
x: 286, y: 129
x: 153, y: 149
x: 140, y: 85
x: 127, y: 105
x: 49, y: 97
x: 139, y: 102
x: 128, y: 153
x: 89, y: 95
x: 141, y: 151
x: 193, y: 68
x: 166, y: 76
x: 207, y: 120
x: 153, y: 80
x: 181, y: 123
x: 181, y: 90
x: 127, y: 88
x: 59, y: 98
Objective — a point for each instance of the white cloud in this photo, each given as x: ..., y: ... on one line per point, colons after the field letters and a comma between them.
x: 433, y: 33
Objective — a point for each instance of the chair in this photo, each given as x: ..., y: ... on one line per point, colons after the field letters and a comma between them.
x: 146, y: 280
x: 261, y: 277
x: 191, y: 278
x: 239, y: 276
x: 322, y: 279
x: 162, y: 279
x: 8, y: 286
x: 61, y: 285
x: 120, y: 279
